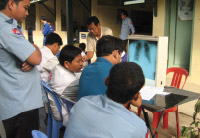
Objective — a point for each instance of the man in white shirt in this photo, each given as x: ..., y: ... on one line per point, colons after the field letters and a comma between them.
x: 63, y: 79
x: 49, y: 60
x: 96, y: 32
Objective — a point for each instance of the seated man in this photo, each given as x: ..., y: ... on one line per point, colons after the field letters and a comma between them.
x: 63, y: 79
x: 92, y: 79
x: 63, y: 74
x: 49, y: 60
x: 105, y: 115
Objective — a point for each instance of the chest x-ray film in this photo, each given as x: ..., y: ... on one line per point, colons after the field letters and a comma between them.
x: 151, y: 54
x: 144, y: 53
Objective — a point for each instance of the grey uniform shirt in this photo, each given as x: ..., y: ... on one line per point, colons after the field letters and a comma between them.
x: 19, y: 91
x: 127, y: 25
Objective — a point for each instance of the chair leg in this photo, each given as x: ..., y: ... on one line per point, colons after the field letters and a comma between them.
x: 49, y: 126
x: 165, y: 120
x: 55, y: 129
x: 139, y: 111
x: 177, y: 124
x: 156, y: 116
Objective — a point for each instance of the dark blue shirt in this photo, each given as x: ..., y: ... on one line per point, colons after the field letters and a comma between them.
x: 45, y: 31
x: 93, y: 77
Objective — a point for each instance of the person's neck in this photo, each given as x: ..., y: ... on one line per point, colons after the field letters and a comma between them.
x: 110, y: 58
x: 7, y: 13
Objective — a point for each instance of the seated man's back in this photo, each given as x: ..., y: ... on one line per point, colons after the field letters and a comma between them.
x: 106, y: 116
x: 93, y: 76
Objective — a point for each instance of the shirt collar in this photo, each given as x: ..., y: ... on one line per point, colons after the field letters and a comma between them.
x: 5, y: 18
x: 101, y: 59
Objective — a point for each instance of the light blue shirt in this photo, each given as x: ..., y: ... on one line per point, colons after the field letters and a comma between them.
x: 100, y: 117
x: 127, y: 25
x: 93, y: 78
x: 19, y: 91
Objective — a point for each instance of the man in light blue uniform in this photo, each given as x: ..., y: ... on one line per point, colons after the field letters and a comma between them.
x: 46, y: 29
x: 106, y: 116
x: 127, y: 25
x: 92, y: 78
x: 20, y: 85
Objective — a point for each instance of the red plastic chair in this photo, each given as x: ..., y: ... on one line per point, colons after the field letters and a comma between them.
x: 176, y: 81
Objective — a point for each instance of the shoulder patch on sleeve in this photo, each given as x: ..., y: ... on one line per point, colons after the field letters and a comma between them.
x: 131, y: 22
x: 17, y: 32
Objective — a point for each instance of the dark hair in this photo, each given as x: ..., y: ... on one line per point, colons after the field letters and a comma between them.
x: 68, y: 53
x: 124, y: 12
x: 53, y: 38
x: 92, y: 19
x: 125, y: 80
x: 48, y: 20
x: 82, y: 46
x: 3, y: 3
x: 107, y: 44
x: 43, y: 18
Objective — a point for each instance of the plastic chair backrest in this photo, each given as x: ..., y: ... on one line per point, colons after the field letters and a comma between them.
x: 177, y: 76
x: 56, y: 99
x: 38, y: 134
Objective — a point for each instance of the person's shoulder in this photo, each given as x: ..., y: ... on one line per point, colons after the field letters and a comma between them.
x: 90, y: 35
x: 106, y: 31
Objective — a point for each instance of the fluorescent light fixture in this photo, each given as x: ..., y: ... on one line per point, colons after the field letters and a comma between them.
x: 129, y: 2
x: 34, y: 1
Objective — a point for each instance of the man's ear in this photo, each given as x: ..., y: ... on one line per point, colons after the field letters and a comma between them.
x: 114, y: 53
x: 66, y: 64
x: 106, y: 81
x: 11, y: 4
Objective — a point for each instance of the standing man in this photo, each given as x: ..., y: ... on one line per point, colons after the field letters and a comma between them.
x: 46, y: 29
x: 96, y: 32
x: 127, y: 25
x: 51, y: 27
x: 20, y: 84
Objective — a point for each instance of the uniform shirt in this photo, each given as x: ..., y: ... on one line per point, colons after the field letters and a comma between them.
x: 100, y: 117
x: 45, y: 31
x: 92, y: 40
x: 60, y: 78
x: 51, y: 29
x: 19, y: 91
x: 49, y: 61
x: 127, y: 25
x: 93, y: 78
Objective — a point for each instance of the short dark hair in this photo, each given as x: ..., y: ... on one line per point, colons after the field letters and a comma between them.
x: 124, y: 12
x: 82, y: 46
x: 68, y: 53
x: 125, y: 80
x: 107, y: 44
x: 43, y: 18
x: 3, y: 3
x: 53, y: 38
x: 48, y: 20
x: 92, y: 19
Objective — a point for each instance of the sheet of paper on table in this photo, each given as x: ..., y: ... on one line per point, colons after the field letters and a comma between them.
x: 148, y: 92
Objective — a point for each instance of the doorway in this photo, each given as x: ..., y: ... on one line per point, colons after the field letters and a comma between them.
x: 180, y: 14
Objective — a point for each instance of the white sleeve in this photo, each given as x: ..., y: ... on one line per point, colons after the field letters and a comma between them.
x: 51, y: 63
